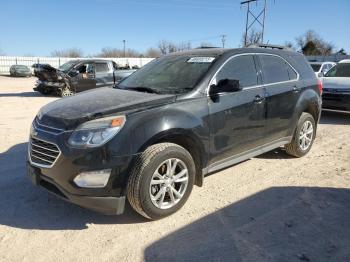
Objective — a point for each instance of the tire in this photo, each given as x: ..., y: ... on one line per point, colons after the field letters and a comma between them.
x: 296, y: 147
x: 151, y: 163
x: 66, y: 92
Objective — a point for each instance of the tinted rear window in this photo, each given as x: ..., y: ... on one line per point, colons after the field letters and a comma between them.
x: 275, y: 69
x: 316, y: 68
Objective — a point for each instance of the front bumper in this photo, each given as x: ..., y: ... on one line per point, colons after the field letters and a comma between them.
x: 47, y: 85
x: 106, y: 205
x: 58, y: 175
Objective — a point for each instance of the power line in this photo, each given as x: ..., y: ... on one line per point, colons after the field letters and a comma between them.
x: 223, y: 40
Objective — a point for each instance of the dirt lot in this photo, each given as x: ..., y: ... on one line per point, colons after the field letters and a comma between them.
x: 270, y: 208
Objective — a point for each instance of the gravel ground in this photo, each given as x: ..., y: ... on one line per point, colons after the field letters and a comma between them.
x: 270, y: 208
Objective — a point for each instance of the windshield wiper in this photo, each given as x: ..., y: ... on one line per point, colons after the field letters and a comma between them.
x: 141, y: 89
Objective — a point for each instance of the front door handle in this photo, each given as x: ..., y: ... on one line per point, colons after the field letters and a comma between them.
x: 258, y: 99
x: 296, y: 89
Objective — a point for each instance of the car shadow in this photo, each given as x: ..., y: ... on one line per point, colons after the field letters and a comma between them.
x: 278, y: 153
x: 22, y: 205
x: 335, y: 118
x: 277, y: 224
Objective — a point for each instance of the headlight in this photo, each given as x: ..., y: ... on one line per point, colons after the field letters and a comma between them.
x: 96, y: 132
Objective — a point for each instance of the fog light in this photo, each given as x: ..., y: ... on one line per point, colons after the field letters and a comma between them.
x: 93, y: 179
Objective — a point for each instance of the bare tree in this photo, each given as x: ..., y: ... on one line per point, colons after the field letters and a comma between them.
x: 289, y: 44
x: 163, y: 47
x: 183, y: 46
x: 253, y: 38
x: 166, y: 47
x: 132, y: 53
x: 70, y: 52
x: 152, y: 52
x: 115, y: 52
x: 311, y: 43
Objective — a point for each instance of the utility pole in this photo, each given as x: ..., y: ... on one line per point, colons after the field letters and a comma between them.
x: 223, y: 40
x: 124, y: 41
x: 252, y: 19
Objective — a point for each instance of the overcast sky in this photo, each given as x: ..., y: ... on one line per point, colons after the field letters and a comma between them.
x: 38, y: 27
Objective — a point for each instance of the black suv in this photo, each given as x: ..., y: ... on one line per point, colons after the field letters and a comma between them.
x: 179, y: 118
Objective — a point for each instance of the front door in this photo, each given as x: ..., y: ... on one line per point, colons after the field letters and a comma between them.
x: 237, y: 120
x: 86, y: 77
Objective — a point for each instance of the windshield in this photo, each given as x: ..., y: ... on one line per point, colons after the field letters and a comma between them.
x: 340, y: 70
x: 315, y: 67
x: 169, y: 75
x: 21, y: 67
x: 67, y: 66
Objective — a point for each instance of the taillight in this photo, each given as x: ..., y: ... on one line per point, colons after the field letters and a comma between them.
x: 320, y: 86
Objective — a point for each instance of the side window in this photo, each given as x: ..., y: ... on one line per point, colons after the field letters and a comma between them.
x: 82, y: 69
x: 291, y: 73
x: 240, y: 68
x: 275, y: 69
x: 101, y: 67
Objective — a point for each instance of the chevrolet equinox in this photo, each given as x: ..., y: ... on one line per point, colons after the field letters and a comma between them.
x: 164, y: 128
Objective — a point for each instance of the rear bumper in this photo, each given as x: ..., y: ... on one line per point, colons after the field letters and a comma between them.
x: 104, y: 205
x: 337, y: 101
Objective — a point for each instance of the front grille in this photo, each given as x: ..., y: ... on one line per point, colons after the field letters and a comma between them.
x: 42, y: 153
x: 52, y: 130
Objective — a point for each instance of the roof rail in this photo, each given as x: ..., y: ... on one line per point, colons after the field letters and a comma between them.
x: 280, y: 47
x: 206, y: 47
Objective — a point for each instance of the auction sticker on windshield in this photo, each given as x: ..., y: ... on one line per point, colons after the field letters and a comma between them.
x: 201, y: 60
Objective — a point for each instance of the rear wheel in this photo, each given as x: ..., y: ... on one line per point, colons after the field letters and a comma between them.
x: 304, y: 136
x: 161, y: 181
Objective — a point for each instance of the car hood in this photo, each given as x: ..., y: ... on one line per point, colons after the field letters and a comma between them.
x: 341, y: 83
x: 67, y: 113
x: 47, y: 73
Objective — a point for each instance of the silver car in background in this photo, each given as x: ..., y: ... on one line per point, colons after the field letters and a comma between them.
x: 336, y: 83
x: 321, y: 68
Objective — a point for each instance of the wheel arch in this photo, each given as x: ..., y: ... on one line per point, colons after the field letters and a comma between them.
x: 188, y: 141
x: 308, y: 102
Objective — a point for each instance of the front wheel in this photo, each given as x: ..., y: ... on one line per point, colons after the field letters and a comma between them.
x: 66, y: 91
x: 303, y: 137
x: 161, y: 180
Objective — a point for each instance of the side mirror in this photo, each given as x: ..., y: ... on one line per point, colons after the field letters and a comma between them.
x: 321, y: 74
x: 225, y: 86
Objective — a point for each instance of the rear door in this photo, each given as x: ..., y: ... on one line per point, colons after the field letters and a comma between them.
x: 104, y: 74
x: 237, y: 120
x: 282, y: 93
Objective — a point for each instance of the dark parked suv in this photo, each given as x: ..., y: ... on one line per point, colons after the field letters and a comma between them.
x: 179, y: 118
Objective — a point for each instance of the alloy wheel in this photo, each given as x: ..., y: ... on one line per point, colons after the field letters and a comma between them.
x: 306, y: 135
x: 169, y: 183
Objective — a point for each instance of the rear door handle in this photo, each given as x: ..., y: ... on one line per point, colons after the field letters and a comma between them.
x: 258, y: 99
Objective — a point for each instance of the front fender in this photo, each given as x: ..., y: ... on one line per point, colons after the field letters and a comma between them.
x: 189, y: 118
